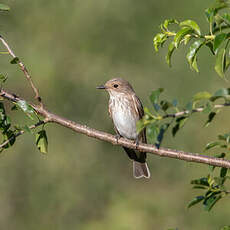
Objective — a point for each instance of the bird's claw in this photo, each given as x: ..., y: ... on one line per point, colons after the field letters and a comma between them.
x: 117, y: 136
x: 137, y: 143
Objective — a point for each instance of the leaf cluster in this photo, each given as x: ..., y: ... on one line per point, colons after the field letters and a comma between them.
x: 188, y: 33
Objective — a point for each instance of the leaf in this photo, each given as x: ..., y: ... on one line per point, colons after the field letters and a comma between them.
x: 202, y: 181
x: 15, y: 61
x: 225, y: 137
x: 8, y: 135
x: 226, y: 18
x: 195, y: 200
x: 171, y: 48
x: 152, y: 132
x: 165, y: 105
x: 174, y: 102
x: 154, y: 97
x: 191, y: 55
x: 220, y: 66
x: 167, y: 22
x: 27, y: 109
x: 191, y: 24
x: 225, y: 228
x: 210, y: 46
x: 201, y: 96
x: 42, y: 141
x: 210, y: 118
x: 180, y: 122
x: 221, y: 93
x: 3, y: 78
x: 4, y: 7
x: 180, y: 35
x: 208, y: 107
x: 212, y: 145
x: 223, y: 172
x: 158, y: 40
x: 211, y: 201
x: 163, y: 129
x: 219, y: 39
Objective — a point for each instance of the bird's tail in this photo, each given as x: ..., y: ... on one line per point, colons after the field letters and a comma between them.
x: 140, y: 170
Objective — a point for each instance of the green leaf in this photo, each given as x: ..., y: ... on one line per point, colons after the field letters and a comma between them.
x: 3, y: 78
x: 158, y: 40
x: 27, y: 129
x: 220, y: 62
x: 189, y: 106
x: 210, y: 46
x: 8, y: 135
x: 210, y: 13
x: 191, y: 55
x: 211, y: 201
x: 225, y: 137
x: 226, y: 18
x: 27, y: 109
x: 152, y: 132
x: 201, y: 96
x: 167, y: 22
x: 221, y: 93
x: 180, y: 122
x: 181, y: 34
x: 195, y: 200
x: 223, y: 172
x: 154, y: 97
x: 140, y: 125
x: 4, y: 7
x: 171, y: 48
x: 225, y: 228
x: 208, y: 107
x: 15, y: 61
x: 191, y: 24
x: 219, y: 39
x: 212, y: 145
x: 210, y: 119
x: 42, y: 141
x: 202, y: 181
x: 165, y: 105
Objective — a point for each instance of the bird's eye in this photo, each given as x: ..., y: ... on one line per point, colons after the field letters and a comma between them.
x: 115, y: 86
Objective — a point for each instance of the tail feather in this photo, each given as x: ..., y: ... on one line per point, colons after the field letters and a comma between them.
x: 140, y: 170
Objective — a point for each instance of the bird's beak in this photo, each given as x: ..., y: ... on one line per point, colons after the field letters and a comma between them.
x: 101, y: 87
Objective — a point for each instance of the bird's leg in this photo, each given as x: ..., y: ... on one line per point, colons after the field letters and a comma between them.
x: 136, y: 141
x: 117, y: 136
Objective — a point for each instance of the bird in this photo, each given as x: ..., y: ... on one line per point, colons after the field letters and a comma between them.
x: 125, y: 109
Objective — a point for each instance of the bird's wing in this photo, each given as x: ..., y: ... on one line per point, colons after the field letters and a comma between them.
x: 140, y: 111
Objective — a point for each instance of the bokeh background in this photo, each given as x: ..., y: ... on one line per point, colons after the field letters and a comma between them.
x: 70, y: 47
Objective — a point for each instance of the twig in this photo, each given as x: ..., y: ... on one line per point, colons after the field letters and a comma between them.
x: 185, y: 112
x: 24, y: 70
x: 21, y: 132
x: 163, y: 152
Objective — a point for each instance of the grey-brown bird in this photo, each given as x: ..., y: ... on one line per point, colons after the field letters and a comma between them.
x: 125, y: 109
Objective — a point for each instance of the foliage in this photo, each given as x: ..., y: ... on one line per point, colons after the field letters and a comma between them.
x: 189, y: 34
x: 168, y: 114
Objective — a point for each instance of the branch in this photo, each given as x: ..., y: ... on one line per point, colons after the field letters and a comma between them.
x: 163, y: 152
x: 178, y: 114
x: 24, y: 70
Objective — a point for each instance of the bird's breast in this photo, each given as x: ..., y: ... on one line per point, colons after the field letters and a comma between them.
x: 124, y: 117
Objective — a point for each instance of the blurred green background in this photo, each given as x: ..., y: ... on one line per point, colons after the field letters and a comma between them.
x: 70, y: 47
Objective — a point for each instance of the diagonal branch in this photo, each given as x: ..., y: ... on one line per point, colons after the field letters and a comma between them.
x: 24, y: 70
x: 76, y: 127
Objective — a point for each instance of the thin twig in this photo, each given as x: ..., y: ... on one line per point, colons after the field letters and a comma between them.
x: 22, y: 132
x: 24, y: 70
x: 185, y: 112
x: 163, y: 152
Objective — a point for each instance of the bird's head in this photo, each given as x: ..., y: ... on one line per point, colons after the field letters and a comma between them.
x: 117, y: 86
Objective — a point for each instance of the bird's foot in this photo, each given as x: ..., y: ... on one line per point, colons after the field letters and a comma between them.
x: 117, y: 136
x: 136, y: 142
